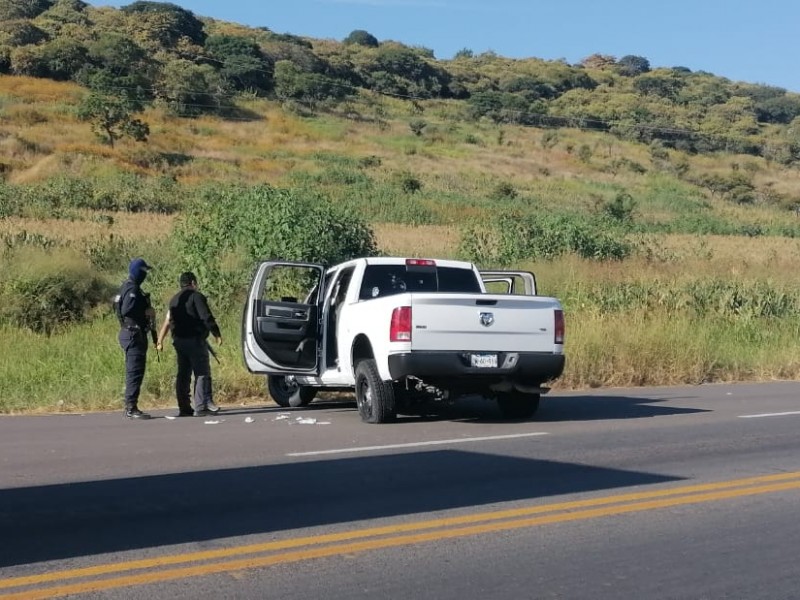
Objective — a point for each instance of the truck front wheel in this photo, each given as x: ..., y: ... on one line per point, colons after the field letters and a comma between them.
x: 375, y: 397
x: 516, y: 405
x: 286, y: 392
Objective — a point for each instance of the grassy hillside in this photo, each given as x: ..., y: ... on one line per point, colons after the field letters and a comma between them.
x: 674, y: 253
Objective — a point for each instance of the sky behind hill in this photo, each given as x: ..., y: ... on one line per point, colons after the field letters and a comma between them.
x: 743, y: 40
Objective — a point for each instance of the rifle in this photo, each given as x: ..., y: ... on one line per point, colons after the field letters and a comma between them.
x: 151, y: 326
x: 212, y: 352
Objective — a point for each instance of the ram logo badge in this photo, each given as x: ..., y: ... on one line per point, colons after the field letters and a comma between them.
x: 487, y: 319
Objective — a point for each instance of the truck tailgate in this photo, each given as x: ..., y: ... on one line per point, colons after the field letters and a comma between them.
x: 485, y: 322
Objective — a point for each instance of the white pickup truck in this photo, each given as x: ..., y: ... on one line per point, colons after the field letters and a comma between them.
x: 400, y: 332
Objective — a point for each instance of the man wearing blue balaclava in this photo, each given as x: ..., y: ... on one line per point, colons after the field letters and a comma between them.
x: 136, y: 317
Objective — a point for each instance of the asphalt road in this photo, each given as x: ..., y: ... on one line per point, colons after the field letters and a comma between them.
x: 678, y: 493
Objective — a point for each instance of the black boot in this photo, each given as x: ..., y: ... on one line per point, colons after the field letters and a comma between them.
x: 135, y: 413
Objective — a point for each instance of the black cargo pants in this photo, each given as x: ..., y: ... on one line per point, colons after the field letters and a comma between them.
x: 193, y: 358
x: 134, y: 343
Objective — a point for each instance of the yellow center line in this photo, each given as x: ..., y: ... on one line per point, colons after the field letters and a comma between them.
x: 481, y: 523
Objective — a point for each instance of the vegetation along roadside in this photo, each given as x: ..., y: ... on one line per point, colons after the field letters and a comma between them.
x: 659, y: 204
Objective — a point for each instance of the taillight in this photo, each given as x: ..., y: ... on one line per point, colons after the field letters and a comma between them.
x: 558, y: 338
x: 400, y: 328
x: 420, y: 262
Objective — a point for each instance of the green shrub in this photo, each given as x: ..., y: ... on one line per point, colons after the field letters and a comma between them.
x: 384, y: 203
x: 503, y: 191
x: 703, y: 299
x: 9, y: 201
x: 621, y: 208
x: 408, y: 182
x: 227, y: 229
x: 123, y: 192
x: 417, y: 126
x: 343, y: 176
x: 109, y: 253
x: 46, y: 293
x: 366, y: 162
x: 512, y: 238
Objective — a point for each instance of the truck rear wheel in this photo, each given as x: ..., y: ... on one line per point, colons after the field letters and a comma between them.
x: 375, y: 397
x: 286, y: 392
x: 516, y: 405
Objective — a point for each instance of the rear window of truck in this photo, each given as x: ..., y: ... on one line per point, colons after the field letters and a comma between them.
x: 386, y: 280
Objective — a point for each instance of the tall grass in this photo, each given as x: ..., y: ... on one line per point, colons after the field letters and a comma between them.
x: 641, y: 347
x: 83, y: 369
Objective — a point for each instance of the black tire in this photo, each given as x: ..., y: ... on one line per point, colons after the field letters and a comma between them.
x: 516, y: 405
x: 286, y: 392
x: 375, y: 397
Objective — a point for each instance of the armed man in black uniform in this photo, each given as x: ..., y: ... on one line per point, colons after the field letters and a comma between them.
x: 136, y: 317
x: 191, y: 320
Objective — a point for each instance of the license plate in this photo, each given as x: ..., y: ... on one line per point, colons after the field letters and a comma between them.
x: 484, y: 361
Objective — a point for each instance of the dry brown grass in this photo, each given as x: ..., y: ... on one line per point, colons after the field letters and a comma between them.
x: 423, y: 241
x: 34, y: 90
x: 125, y: 226
x: 682, y: 258
x: 674, y: 257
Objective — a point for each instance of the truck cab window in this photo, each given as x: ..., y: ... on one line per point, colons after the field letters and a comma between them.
x: 387, y: 280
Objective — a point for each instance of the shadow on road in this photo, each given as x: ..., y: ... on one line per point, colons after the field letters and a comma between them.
x: 79, y: 519
x: 589, y: 408
x: 475, y: 409
x: 479, y: 410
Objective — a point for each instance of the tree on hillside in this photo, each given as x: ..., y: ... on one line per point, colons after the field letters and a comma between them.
x: 704, y: 91
x: 397, y: 69
x: 22, y: 9
x: 189, y: 89
x: 241, y: 62
x: 291, y: 83
x: 758, y: 92
x: 166, y: 23
x: 117, y: 53
x: 111, y: 112
x: 659, y: 84
x: 360, y: 37
x: 63, y: 58
x: 115, y: 60
x: 18, y: 52
x: 599, y: 61
x: 277, y: 49
x: 782, y: 109
x: 20, y: 32
x: 632, y: 66
x: 62, y: 14
x: 532, y: 88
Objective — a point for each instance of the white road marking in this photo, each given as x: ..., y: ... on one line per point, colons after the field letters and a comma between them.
x: 419, y: 444
x: 780, y: 414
